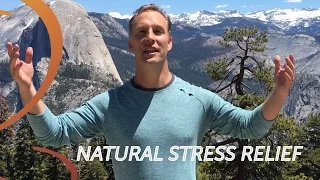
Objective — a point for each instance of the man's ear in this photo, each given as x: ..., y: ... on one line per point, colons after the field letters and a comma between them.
x: 170, y: 43
x: 130, y: 46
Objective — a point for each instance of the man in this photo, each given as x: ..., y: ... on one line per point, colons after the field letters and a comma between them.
x: 155, y: 108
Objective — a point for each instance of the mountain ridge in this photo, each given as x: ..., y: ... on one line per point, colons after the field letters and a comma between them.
x: 285, y: 19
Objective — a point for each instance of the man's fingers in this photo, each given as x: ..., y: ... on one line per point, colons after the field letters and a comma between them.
x: 16, y: 71
x: 13, y: 61
x: 291, y: 57
x: 10, y: 48
x: 290, y: 64
x: 286, y: 75
x: 29, y: 54
x: 277, y: 63
x: 288, y: 78
x: 14, y: 55
x: 16, y: 49
x: 289, y: 71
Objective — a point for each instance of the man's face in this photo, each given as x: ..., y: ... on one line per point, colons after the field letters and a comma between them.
x: 150, y: 40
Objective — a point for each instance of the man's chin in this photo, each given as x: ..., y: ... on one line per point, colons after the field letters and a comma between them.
x: 154, y: 61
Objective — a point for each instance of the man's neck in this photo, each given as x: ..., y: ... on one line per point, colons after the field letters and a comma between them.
x: 152, y: 77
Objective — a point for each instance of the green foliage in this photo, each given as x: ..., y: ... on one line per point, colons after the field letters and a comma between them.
x: 25, y: 158
x: 93, y: 170
x: 217, y: 69
x: 285, y: 131
x: 310, y: 138
x: 297, y: 177
x: 31, y: 164
x: 251, y: 39
x: 6, y: 135
x: 232, y: 68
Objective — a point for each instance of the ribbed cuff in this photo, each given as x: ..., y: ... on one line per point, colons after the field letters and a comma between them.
x: 41, y: 124
x: 261, y: 122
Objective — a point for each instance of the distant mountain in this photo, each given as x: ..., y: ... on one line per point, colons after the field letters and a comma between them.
x: 87, y: 62
x: 203, y: 18
x: 306, y: 21
x: 196, y: 36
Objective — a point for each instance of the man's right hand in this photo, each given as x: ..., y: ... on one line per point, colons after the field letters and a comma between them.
x: 21, y: 71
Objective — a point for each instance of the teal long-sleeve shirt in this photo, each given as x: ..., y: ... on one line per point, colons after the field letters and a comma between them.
x: 176, y: 115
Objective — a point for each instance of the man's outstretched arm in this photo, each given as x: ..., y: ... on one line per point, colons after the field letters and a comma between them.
x: 231, y: 120
x: 71, y: 127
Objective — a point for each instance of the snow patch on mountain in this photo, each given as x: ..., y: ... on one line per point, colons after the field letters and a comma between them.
x: 286, y: 18
x: 283, y: 18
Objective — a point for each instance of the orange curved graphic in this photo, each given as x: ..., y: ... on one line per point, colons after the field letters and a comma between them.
x: 55, y: 34
x: 72, y: 168
x: 5, y: 13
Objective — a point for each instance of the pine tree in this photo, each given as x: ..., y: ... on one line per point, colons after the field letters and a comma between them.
x: 6, y: 137
x: 310, y: 159
x: 248, y: 42
x: 97, y: 171
x: 93, y: 170
x: 247, y: 80
x: 27, y: 163
x: 55, y: 169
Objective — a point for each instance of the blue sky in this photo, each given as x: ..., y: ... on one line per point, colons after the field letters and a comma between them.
x: 179, y: 6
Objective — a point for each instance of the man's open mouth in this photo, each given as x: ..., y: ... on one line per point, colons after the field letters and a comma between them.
x: 150, y: 50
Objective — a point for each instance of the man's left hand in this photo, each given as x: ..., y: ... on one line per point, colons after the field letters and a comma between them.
x: 284, y: 74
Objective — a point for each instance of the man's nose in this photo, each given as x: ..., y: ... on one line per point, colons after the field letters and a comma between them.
x: 150, y: 37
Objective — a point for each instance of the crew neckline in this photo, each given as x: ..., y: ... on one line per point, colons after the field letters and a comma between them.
x: 139, y: 87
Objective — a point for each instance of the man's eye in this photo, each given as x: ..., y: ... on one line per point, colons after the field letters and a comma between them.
x: 157, y: 32
x: 142, y: 32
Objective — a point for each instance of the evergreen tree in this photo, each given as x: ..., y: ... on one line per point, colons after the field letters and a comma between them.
x: 247, y: 81
x: 27, y: 162
x: 93, y: 170
x: 105, y: 165
x: 6, y: 137
x: 55, y: 169
x: 310, y: 158
x: 248, y: 42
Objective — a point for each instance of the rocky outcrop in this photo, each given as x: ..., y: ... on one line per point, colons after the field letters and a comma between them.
x: 304, y: 97
x: 86, y: 67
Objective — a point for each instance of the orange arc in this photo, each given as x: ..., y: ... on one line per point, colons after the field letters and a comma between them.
x: 5, y: 13
x: 52, y: 24
x: 72, y: 168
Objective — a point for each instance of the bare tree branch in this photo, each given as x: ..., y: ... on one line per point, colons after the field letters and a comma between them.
x: 233, y: 80
x: 247, y: 87
x: 256, y: 62
x: 224, y: 79
x: 247, y: 68
x: 240, y: 46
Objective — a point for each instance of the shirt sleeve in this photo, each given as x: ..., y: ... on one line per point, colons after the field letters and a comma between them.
x: 230, y: 120
x: 70, y: 127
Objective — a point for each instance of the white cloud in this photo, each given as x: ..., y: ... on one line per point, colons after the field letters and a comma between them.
x: 119, y: 16
x: 165, y: 6
x: 244, y: 6
x: 293, y: 1
x: 222, y: 6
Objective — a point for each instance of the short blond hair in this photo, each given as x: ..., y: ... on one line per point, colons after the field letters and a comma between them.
x: 149, y: 7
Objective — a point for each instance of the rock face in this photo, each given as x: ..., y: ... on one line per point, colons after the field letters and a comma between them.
x: 86, y: 68
x: 193, y: 46
x: 304, y: 97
